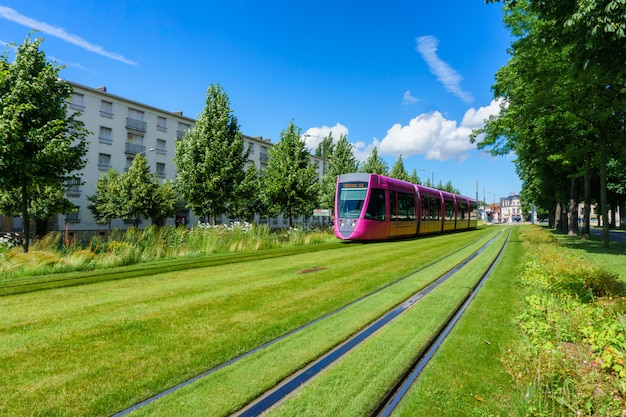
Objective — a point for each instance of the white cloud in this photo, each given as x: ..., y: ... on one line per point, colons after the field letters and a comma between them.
x: 362, y: 151
x: 451, y: 80
x: 434, y: 136
x: 314, y: 135
x: 407, y: 98
x: 13, y: 16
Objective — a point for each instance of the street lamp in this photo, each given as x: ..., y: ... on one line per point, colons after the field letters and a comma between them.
x: 144, y: 152
x: 433, y: 176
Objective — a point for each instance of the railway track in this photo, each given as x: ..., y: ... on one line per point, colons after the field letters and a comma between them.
x: 393, y: 398
x: 294, y: 382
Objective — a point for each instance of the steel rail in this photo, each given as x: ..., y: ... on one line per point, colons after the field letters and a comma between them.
x: 280, y: 392
x: 392, y: 399
x: 300, y: 328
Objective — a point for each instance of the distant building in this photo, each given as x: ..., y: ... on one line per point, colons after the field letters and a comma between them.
x: 511, y: 209
x: 122, y: 128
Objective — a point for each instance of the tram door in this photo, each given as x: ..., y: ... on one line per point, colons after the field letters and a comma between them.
x: 403, y: 214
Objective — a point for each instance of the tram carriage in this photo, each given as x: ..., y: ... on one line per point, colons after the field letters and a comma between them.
x: 375, y: 207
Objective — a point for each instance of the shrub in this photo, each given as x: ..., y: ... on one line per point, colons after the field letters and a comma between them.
x: 574, y: 360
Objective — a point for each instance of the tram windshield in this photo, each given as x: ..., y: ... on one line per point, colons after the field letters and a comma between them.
x: 351, y: 198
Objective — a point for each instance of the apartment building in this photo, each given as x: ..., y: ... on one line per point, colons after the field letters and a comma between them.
x: 511, y: 208
x: 121, y: 129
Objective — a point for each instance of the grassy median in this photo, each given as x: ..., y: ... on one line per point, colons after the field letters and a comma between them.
x: 96, y: 349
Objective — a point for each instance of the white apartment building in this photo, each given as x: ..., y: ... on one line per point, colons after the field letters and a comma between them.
x: 511, y: 208
x: 120, y: 129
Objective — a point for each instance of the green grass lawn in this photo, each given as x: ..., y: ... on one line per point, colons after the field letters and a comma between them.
x: 95, y: 349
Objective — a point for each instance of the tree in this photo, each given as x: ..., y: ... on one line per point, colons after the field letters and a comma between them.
x: 341, y: 161
x: 326, y: 147
x: 105, y: 204
x: 138, y: 189
x: 398, y: 171
x: 210, y: 158
x: 375, y: 164
x: 249, y: 200
x: 579, y: 83
x: 290, y: 179
x: 165, y: 203
x: 133, y: 195
x: 413, y: 178
x: 40, y: 144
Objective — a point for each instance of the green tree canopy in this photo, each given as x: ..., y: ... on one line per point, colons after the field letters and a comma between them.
x: 40, y: 145
x: 375, y: 164
x: 564, y: 97
x: 105, y: 204
x: 210, y: 158
x: 290, y: 179
x: 398, y: 171
x: 133, y: 195
x: 341, y: 161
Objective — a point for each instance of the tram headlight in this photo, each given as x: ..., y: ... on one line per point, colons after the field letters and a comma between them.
x: 353, y: 223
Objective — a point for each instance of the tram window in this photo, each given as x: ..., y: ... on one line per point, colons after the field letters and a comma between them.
x: 474, y: 211
x: 393, y: 206
x: 406, y: 206
x: 351, y: 201
x: 425, y: 212
x: 435, y: 208
x: 449, y: 210
x: 376, y: 205
x: 462, y: 210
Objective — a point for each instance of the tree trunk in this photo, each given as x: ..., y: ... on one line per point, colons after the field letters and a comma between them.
x: 612, y: 217
x: 41, y: 228
x: 586, y: 232
x: 573, y: 207
x: 603, y: 194
x: 25, y: 218
x: 557, y: 216
x: 622, y: 212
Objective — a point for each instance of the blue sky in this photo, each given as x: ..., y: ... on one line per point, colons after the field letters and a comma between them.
x: 412, y: 78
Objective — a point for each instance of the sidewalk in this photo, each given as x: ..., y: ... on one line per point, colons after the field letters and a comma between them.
x: 614, y: 235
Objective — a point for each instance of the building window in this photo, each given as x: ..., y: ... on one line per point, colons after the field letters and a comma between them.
x: 106, y: 135
x: 106, y: 109
x: 77, y: 101
x: 251, y: 148
x: 104, y: 161
x: 161, y: 147
x: 129, y: 163
x: 134, y: 144
x: 135, y: 120
x: 181, y: 130
x: 73, y: 217
x: 72, y: 186
x: 162, y: 124
x: 160, y: 169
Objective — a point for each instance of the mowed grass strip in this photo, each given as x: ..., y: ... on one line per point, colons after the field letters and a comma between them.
x: 25, y: 284
x: 466, y: 376
x: 99, y: 348
x: 229, y: 389
x: 356, y: 384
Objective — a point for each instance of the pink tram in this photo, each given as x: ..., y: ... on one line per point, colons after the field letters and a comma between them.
x: 375, y: 207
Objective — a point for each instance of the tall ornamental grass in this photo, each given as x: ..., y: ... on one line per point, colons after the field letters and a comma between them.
x: 60, y: 252
x: 574, y: 359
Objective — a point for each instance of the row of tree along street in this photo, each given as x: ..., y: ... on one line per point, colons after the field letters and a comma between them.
x: 42, y: 147
x: 563, y: 107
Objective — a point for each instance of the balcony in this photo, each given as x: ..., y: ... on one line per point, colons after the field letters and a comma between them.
x: 134, y: 149
x: 134, y: 124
